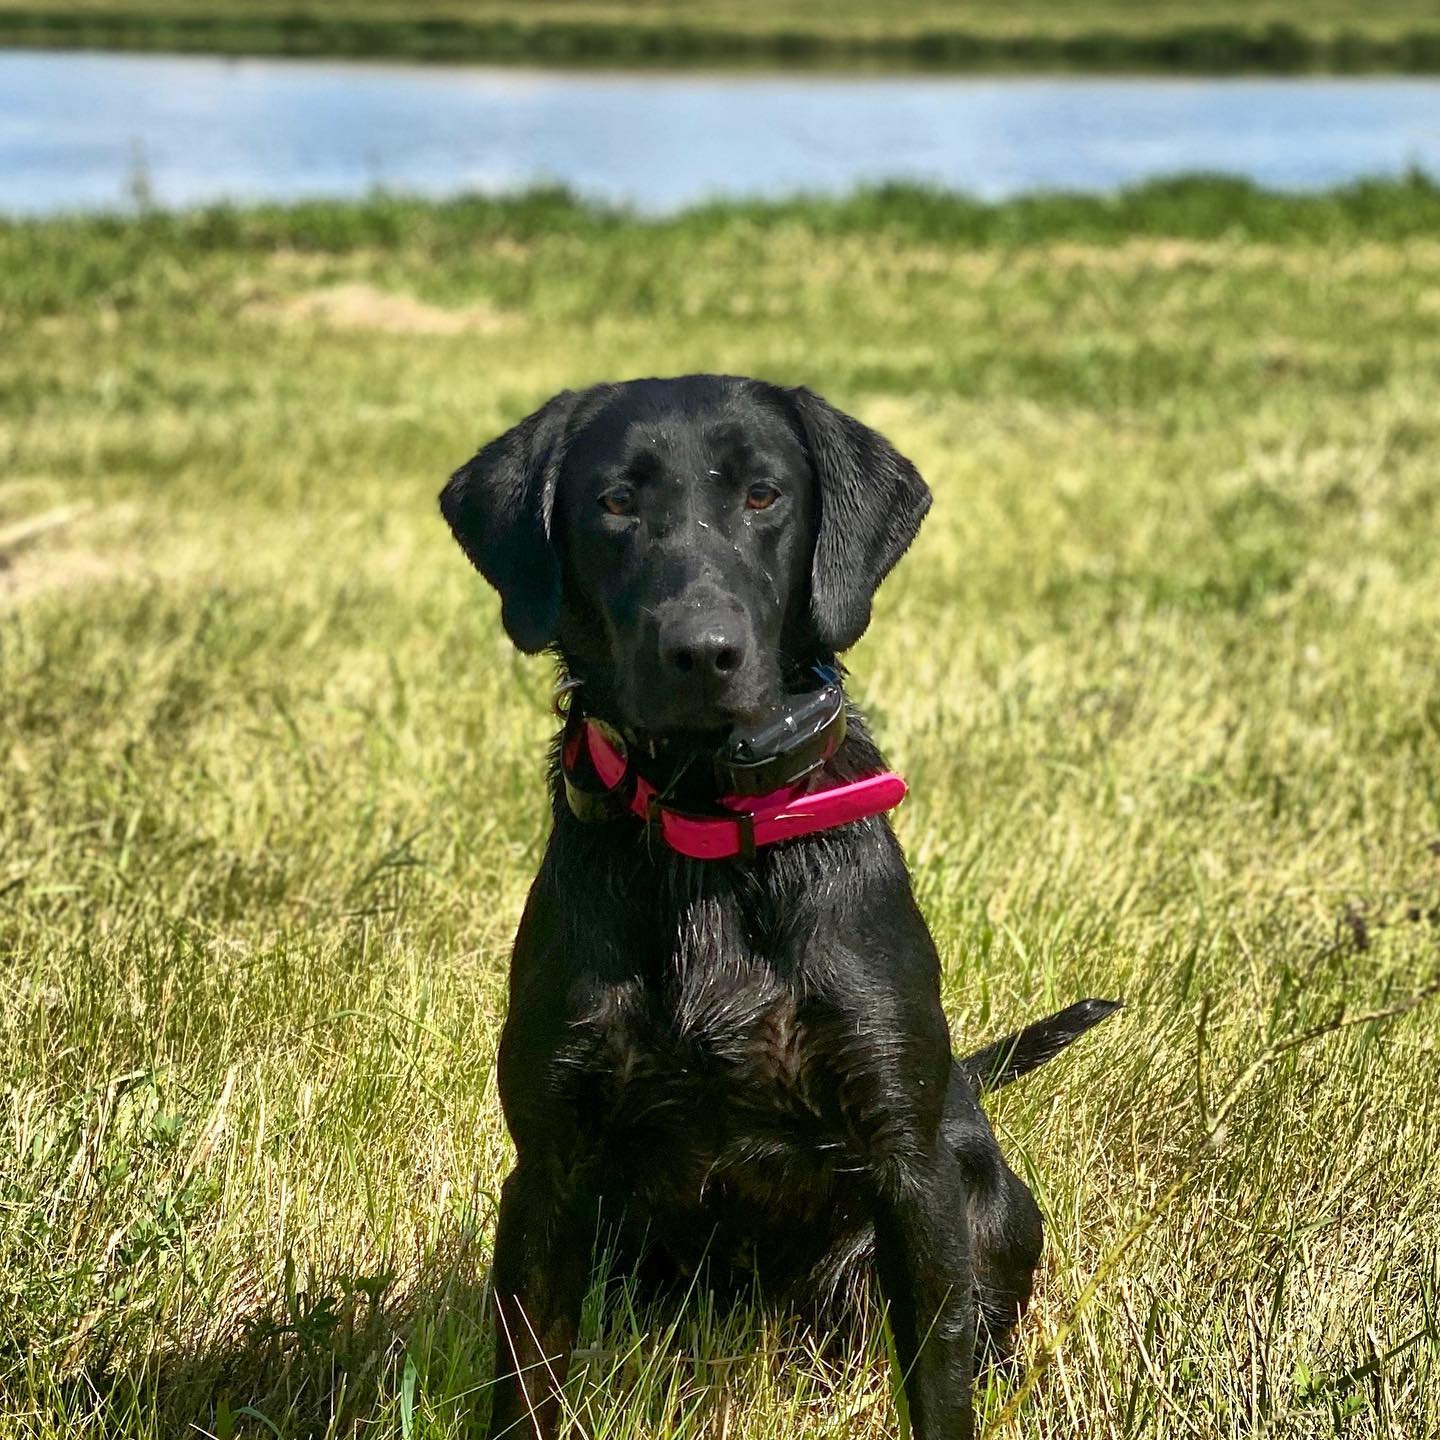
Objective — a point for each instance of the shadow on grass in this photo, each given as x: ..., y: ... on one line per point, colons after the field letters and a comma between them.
x: 336, y: 1354
x: 346, y: 1354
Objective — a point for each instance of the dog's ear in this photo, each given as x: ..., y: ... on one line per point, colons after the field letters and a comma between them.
x: 499, y: 506
x: 871, y: 501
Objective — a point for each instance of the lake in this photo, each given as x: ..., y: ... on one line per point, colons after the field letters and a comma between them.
x: 85, y: 131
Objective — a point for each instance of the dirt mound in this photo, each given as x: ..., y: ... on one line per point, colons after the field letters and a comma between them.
x: 357, y: 306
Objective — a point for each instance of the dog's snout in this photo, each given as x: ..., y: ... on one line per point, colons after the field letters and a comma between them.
x: 709, y: 651
x: 697, y: 668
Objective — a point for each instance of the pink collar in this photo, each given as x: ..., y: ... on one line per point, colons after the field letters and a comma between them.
x: 758, y: 819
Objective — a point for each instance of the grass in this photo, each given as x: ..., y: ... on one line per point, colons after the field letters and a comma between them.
x: 1161, y: 671
x: 1184, y: 35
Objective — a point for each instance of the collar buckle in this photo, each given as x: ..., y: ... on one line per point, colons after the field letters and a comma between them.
x: 589, y: 797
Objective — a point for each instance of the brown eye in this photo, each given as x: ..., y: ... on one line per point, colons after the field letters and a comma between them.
x: 620, y: 500
x: 761, y: 497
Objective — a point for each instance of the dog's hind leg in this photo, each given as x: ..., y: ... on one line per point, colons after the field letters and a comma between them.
x: 1003, y: 1218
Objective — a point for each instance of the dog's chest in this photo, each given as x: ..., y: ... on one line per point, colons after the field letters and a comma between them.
x: 701, y: 1072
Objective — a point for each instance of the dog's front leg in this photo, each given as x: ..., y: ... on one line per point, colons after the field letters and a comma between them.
x: 922, y: 1254
x: 542, y: 1264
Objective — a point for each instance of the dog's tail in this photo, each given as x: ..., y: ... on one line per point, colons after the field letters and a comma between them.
x: 1016, y: 1055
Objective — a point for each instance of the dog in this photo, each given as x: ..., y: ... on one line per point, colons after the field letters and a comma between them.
x: 725, y: 1047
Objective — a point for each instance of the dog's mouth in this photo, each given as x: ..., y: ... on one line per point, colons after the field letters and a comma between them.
x: 682, y: 729
x: 697, y: 734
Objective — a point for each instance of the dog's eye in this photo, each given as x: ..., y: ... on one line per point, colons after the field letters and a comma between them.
x: 761, y: 496
x: 619, y: 500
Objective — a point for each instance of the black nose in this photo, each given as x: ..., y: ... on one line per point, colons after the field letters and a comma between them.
x: 708, y: 652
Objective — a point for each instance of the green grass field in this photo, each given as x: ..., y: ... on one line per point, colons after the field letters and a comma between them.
x: 1189, y: 35
x: 1161, y: 670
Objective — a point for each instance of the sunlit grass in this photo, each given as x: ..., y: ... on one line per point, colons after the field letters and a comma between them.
x: 1160, y: 669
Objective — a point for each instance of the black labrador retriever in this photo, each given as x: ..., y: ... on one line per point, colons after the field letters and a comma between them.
x: 737, y: 1064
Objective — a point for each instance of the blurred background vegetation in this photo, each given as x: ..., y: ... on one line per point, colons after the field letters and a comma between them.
x: 1206, y: 36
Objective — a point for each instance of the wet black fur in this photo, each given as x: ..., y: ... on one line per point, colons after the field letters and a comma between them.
x: 739, y: 1068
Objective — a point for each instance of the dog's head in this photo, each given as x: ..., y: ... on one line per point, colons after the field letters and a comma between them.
x: 689, y: 546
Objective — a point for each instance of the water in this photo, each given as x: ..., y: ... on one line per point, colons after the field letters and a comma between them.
x: 83, y: 131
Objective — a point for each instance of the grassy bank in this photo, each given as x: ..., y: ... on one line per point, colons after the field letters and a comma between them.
x: 1280, y: 36
x: 1161, y: 671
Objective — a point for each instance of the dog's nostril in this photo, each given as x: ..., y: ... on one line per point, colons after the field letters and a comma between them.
x: 706, y: 655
